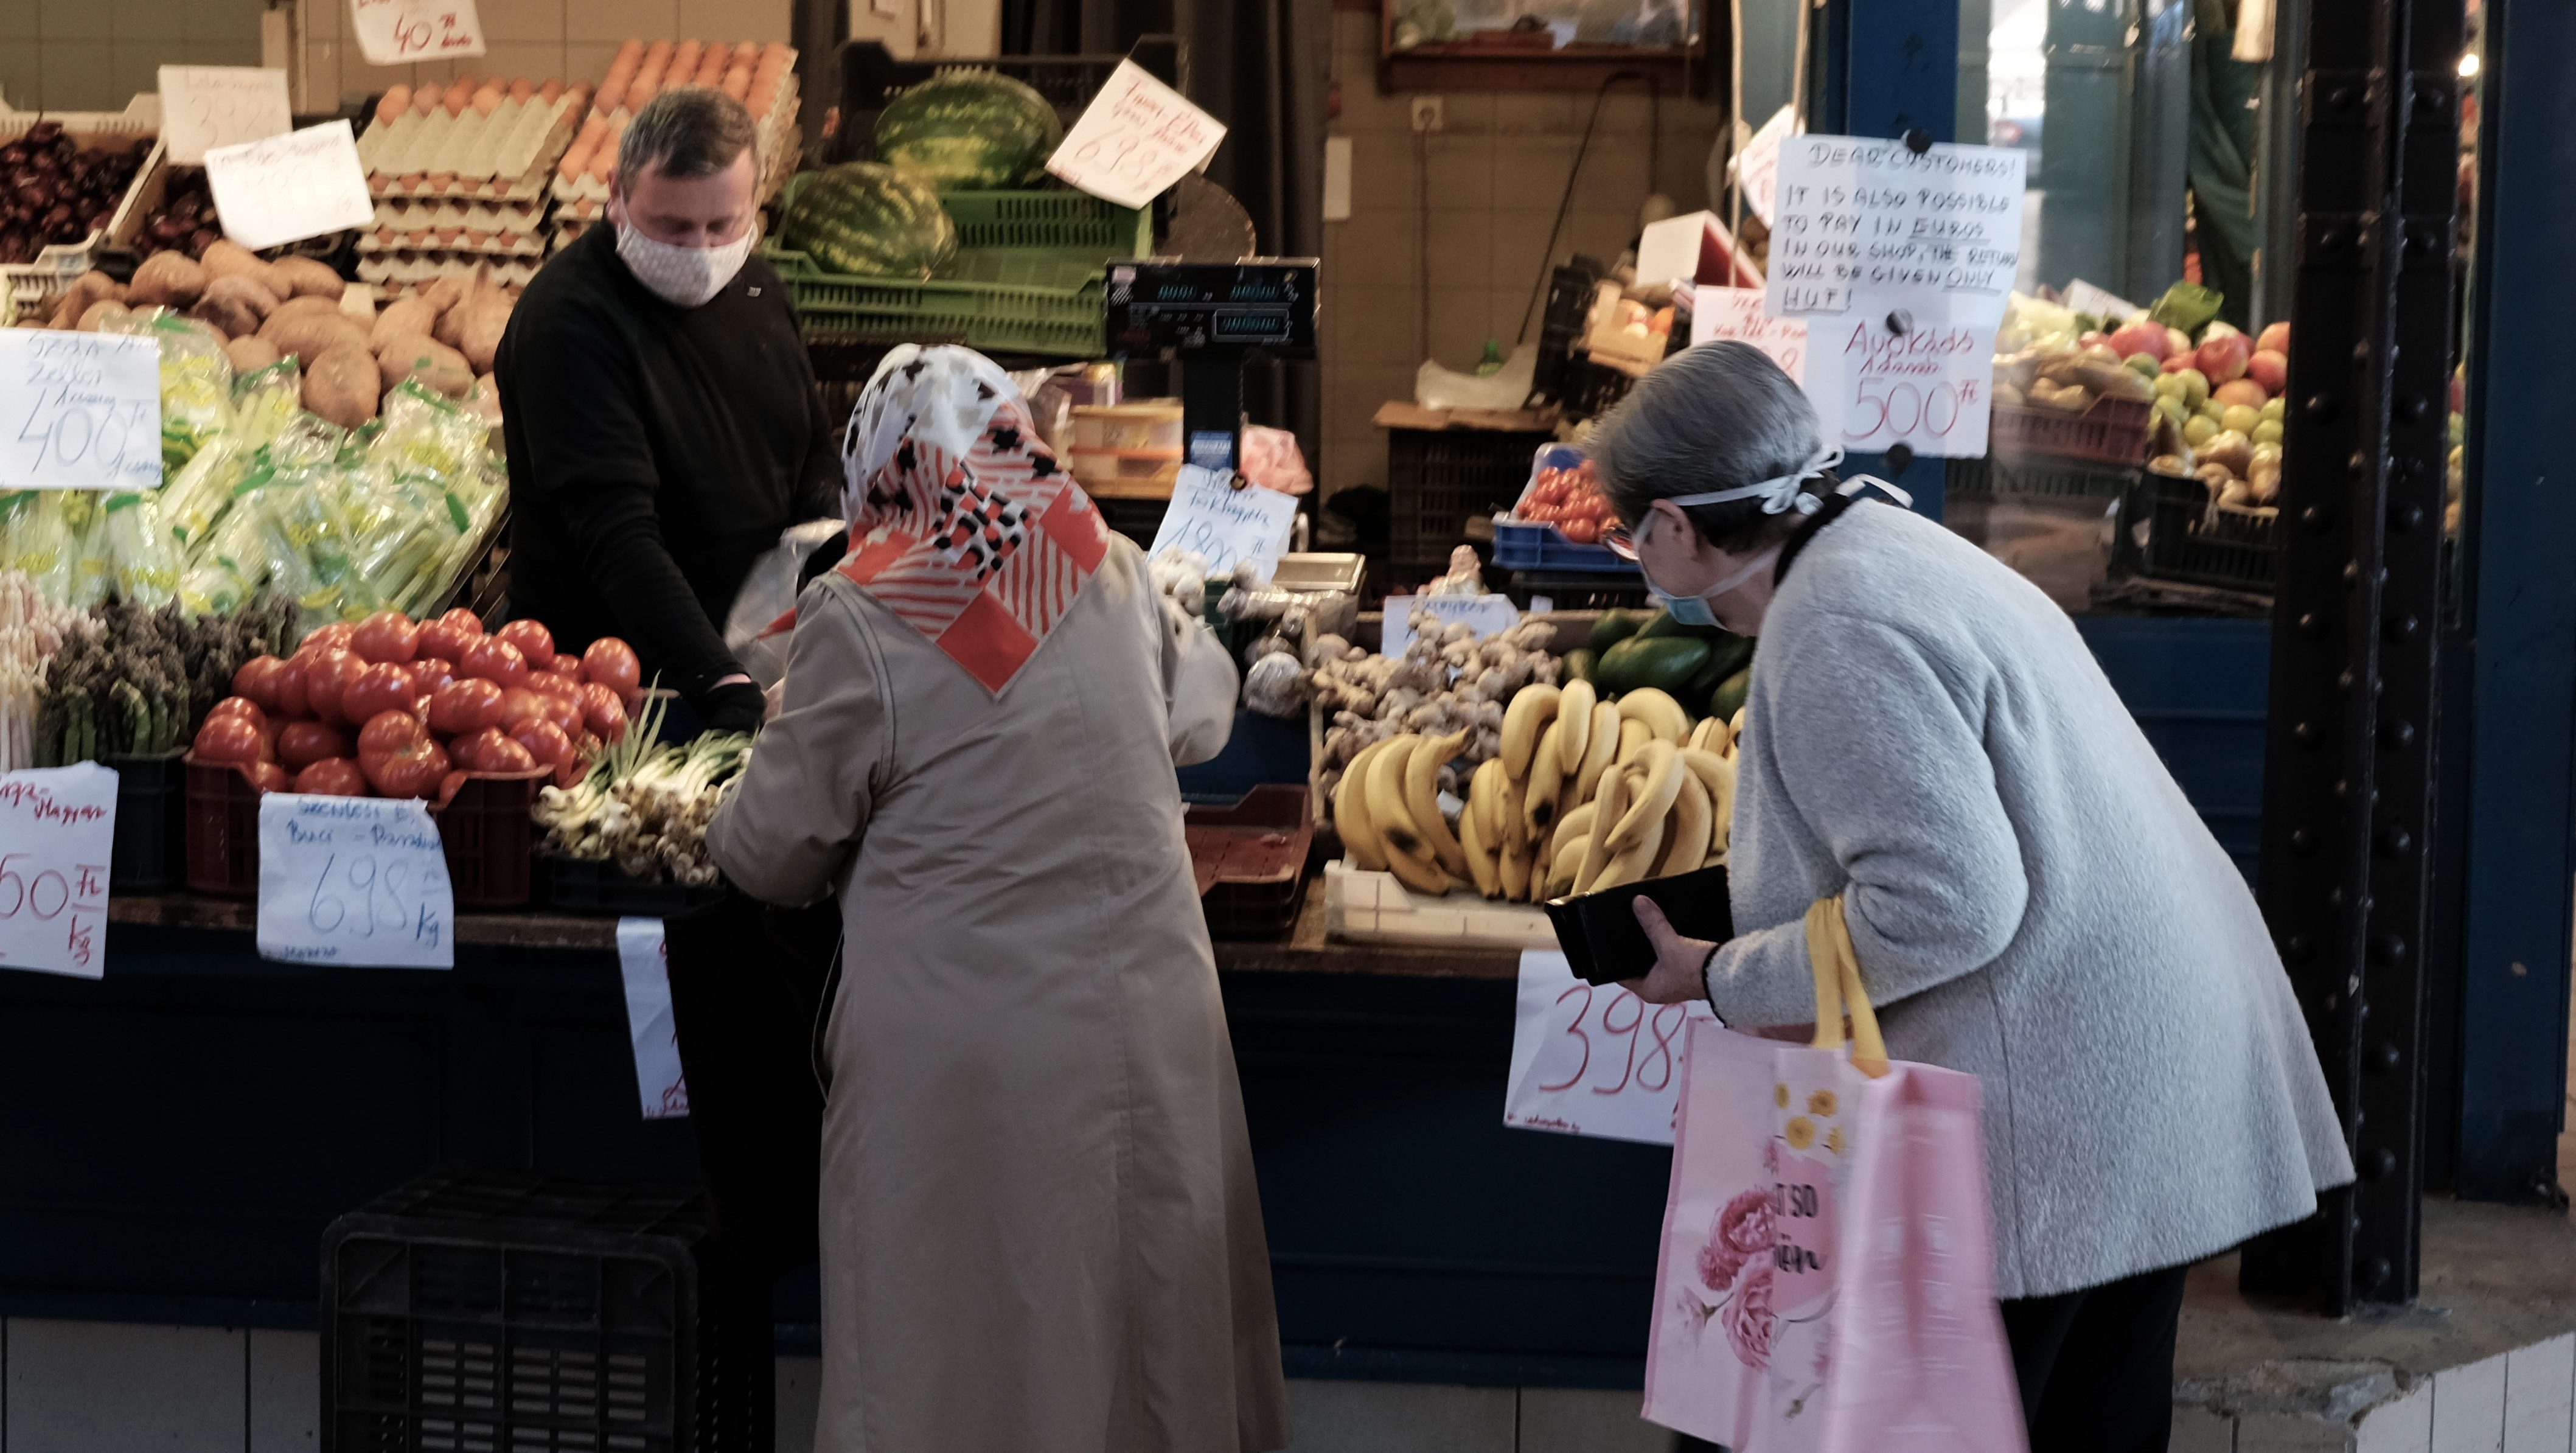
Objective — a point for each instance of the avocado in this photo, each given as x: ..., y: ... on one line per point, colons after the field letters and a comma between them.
x: 1580, y: 663
x: 1666, y: 663
x: 1727, y: 655
x: 1728, y: 698
x: 1660, y: 624
x: 1613, y: 627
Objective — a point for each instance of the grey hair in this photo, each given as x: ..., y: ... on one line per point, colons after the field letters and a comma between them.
x: 694, y: 131
x: 1713, y: 417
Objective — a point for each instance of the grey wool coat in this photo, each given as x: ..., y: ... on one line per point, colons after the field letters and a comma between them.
x: 2032, y: 901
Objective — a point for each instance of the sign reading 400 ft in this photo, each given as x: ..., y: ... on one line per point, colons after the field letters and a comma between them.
x: 79, y: 411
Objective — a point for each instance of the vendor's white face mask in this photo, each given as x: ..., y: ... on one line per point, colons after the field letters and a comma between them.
x: 685, y: 277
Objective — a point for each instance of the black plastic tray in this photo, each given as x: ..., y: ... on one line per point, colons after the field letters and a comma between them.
x: 149, y: 849
x: 1602, y: 939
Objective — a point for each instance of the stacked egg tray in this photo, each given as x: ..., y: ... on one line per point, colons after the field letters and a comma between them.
x: 762, y: 77
x: 459, y: 176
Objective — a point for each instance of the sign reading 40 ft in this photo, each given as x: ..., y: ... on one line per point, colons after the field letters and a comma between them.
x: 79, y: 411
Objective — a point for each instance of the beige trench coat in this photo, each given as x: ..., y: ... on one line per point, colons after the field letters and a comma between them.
x: 1039, y: 1225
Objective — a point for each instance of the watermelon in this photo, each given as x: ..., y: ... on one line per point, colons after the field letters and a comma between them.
x: 969, y: 131
x: 867, y: 218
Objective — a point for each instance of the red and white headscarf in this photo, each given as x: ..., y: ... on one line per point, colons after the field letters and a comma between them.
x: 961, y: 521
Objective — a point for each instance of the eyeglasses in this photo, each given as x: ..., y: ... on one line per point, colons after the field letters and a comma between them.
x: 1624, y: 540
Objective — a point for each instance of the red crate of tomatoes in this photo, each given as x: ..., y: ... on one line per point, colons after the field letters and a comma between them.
x: 473, y: 723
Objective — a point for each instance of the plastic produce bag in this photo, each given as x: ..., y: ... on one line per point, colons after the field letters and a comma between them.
x: 1272, y: 460
x: 1435, y: 387
x: 768, y: 592
x: 143, y: 560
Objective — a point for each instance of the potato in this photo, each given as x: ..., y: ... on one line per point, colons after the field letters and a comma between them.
x: 403, y: 317
x: 88, y: 288
x: 309, y: 337
x: 480, y: 336
x: 250, y: 355
x: 437, y: 366
x: 224, y: 257
x: 307, y: 307
x: 103, y: 311
x: 342, y: 385
x: 235, y: 304
x: 444, y: 292
x: 307, y: 277
x: 166, y: 279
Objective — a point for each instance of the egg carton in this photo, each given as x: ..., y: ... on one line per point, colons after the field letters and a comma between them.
x: 779, y: 142
x: 399, y: 215
x: 458, y: 241
x: 415, y: 266
x: 505, y: 155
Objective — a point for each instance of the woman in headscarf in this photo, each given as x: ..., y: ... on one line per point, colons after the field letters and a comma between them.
x: 2031, y: 898
x: 1039, y: 1225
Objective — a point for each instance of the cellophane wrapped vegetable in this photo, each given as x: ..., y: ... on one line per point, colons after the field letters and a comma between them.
x: 196, y: 381
x: 143, y: 560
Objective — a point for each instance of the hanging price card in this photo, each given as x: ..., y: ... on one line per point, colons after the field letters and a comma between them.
x: 287, y: 188
x: 353, y: 880
x: 209, y: 106
x: 1718, y: 314
x: 644, y: 963
x: 1137, y: 137
x: 1225, y: 525
x: 1875, y: 225
x: 1757, y: 171
x: 56, y: 824
x: 398, y: 32
x: 1594, y: 1059
x: 79, y: 411
x: 1928, y: 388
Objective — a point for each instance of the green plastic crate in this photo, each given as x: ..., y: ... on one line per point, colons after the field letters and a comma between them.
x: 1028, y: 277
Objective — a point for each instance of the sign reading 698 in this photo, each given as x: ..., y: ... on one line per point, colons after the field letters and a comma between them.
x: 79, y: 411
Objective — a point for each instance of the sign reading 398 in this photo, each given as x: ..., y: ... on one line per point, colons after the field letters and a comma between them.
x: 79, y: 411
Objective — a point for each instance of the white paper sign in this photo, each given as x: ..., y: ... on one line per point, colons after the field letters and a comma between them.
x: 1223, y: 524
x: 79, y: 411
x: 1483, y: 614
x: 56, y: 824
x: 353, y: 880
x: 1594, y: 1059
x: 1757, y: 171
x: 1740, y: 315
x: 1872, y: 225
x: 208, y: 106
x: 2083, y: 297
x: 399, y: 32
x: 290, y: 187
x: 644, y: 962
x: 1929, y: 388
x: 1137, y: 137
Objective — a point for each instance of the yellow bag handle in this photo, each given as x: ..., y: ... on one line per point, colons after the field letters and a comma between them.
x: 1838, y: 988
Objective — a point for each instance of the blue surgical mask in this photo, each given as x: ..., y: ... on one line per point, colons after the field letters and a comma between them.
x: 1778, y: 496
x: 1693, y: 610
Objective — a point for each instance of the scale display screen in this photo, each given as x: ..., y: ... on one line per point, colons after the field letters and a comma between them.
x: 1187, y: 306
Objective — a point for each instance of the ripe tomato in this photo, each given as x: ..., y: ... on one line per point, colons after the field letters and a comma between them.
x: 463, y: 620
x: 378, y: 689
x: 554, y: 683
x: 504, y: 754
x: 463, y: 706
x: 337, y: 633
x: 467, y: 750
x: 300, y: 744
x: 533, y: 640
x: 545, y: 741
x: 257, y: 680
x: 413, y: 769
x: 494, y: 659
x: 241, y: 706
x: 446, y: 639
x: 332, y: 777
x: 388, y: 635
x: 385, y: 733
x: 230, y: 741
x: 327, y: 679
x: 602, y: 713
x: 518, y: 705
x: 564, y: 712
x: 292, y: 698
x: 428, y: 673
x: 270, y: 777
x: 611, y: 662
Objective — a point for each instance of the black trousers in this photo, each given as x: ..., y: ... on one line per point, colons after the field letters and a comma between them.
x: 2096, y: 1366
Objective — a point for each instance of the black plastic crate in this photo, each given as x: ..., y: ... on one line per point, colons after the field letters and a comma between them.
x: 477, y: 1310
x: 871, y: 75
x: 2037, y: 474
x: 573, y: 885
x: 1439, y: 479
x: 150, y: 847
x: 1593, y: 389
x: 2171, y: 531
x: 1569, y: 302
x: 1576, y: 591
x: 1138, y: 519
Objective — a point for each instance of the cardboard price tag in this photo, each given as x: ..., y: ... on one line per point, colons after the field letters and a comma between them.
x: 1757, y: 170
x: 287, y: 188
x: 644, y: 964
x: 79, y: 411
x: 1595, y: 1059
x: 399, y: 32
x: 1740, y: 315
x: 1930, y: 388
x: 1873, y: 225
x: 1225, y: 525
x: 353, y: 880
x: 56, y: 825
x: 209, y: 106
x: 1136, y: 138
x: 1483, y: 614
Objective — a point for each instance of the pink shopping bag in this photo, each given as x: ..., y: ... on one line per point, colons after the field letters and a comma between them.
x: 1825, y: 1283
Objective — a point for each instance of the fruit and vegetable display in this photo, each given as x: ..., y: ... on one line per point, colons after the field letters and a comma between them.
x: 867, y: 218
x: 184, y: 220
x: 645, y: 804
x: 55, y: 191
x: 390, y: 707
x: 1567, y: 496
x: 1447, y: 682
x: 131, y: 682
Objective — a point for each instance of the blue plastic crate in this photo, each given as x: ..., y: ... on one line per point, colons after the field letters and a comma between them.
x: 1544, y: 547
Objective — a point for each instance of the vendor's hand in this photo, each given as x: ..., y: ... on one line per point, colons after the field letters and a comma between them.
x: 1676, y: 976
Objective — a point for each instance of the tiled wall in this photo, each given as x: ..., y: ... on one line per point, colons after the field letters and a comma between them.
x: 536, y: 38
x: 95, y: 55
x: 1496, y: 173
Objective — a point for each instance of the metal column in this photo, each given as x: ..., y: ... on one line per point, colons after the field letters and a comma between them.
x: 2349, y: 760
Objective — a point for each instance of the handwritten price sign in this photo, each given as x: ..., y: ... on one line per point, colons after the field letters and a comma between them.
x: 353, y: 880
x: 1873, y: 225
x: 79, y: 411
x: 1926, y: 388
x: 56, y: 824
x: 644, y: 963
x: 287, y: 188
x: 209, y: 106
x: 1224, y: 525
x: 1594, y: 1060
x: 1136, y: 138
x: 398, y: 32
x: 1739, y: 314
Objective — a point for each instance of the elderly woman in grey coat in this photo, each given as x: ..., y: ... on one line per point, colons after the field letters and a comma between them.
x: 2030, y: 896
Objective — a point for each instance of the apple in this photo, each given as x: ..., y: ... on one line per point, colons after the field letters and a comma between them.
x: 2144, y: 365
x: 2170, y: 405
x: 2177, y: 341
x: 2199, y: 431
x: 2240, y: 391
x: 2195, y: 387
x: 2271, y: 370
x: 2275, y: 339
x: 2241, y: 419
x: 2276, y: 409
x: 2266, y: 431
x: 2177, y: 362
x: 2223, y: 358
x: 2142, y: 337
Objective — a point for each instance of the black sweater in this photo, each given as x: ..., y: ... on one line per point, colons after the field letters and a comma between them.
x: 654, y: 453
